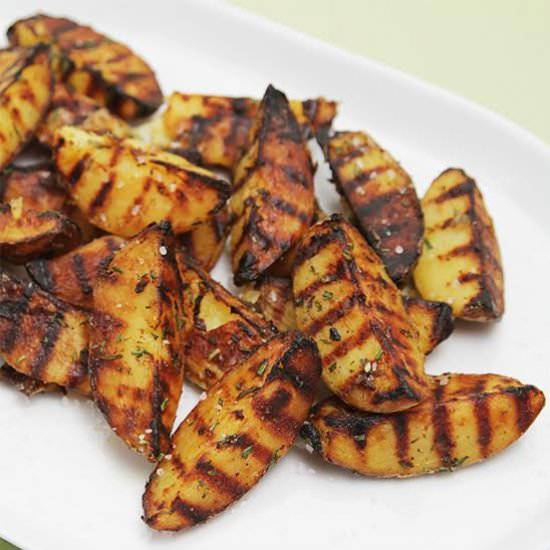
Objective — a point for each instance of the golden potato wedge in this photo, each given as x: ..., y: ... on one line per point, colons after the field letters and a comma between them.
x: 460, y: 262
x: 247, y: 422
x: 93, y: 64
x: 273, y: 298
x: 273, y: 201
x: 41, y: 336
x: 26, y: 86
x: 468, y: 418
x: 220, y: 330
x: 26, y: 234
x: 206, y: 241
x: 25, y: 384
x: 212, y: 130
x: 346, y: 301
x: 71, y: 277
x: 122, y: 186
x: 382, y: 198
x: 136, y: 364
x: 433, y: 321
x: 72, y: 109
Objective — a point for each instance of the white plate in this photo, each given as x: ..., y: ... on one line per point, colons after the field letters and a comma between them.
x: 67, y: 483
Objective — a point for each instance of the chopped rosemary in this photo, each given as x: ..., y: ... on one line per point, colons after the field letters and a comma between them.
x: 262, y: 367
x: 246, y: 452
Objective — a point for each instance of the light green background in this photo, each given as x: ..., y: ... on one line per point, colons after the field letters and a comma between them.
x: 496, y: 52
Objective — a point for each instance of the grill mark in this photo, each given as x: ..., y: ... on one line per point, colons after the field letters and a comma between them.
x: 13, y: 312
x: 336, y: 162
x: 400, y: 423
x: 220, y: 480
x: 315, y: 244
x: 466, y: 187
x: 77, y: 170
x: 520, y: 397
x: 40, y: 272
x: 287, y: 208
x: 443, y: 444
x: 344, y: 347
x: 467, y: 277
x: 48, y: 342
x: 100, y: 196
x: 372, y: 208
x: 112, y: 244
x: 192, y: 513
x: 81, y: 275
x: 484, y: 430
x: 296, y: 176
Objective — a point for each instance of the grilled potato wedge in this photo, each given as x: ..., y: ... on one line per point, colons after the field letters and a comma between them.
x: 71, y: 277
x: 346, y: 301
x: 468, y: 418
x: 460, y: 262
x: 206, y: 241
x: 220, y: 330
x: 229, y: 440
x: 26, y: 234
x: 123, y: 186
x: 212, y: 130
x: 25, y: 384
x: 72, y: 109
x: 382, y: 198
x: 273, y: 200
x: 41, y: 336
x: 136, y: 367
x: 26, y: 85
x: 433, y: 321
x: 93, y: 64
x: 273, y: 298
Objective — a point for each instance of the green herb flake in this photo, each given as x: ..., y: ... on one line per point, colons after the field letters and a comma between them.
x: 428, y: 244
x: 379, y: 354
x: 139, y: 352
x: 160, y: 457
x: 19, y: 359
x: 179, y: 322
x: 246, y: 452
x: 359, y: 437
x: 327, y: 295
x: 332, y: 367
x: 116, y: 268
x: 262, y: 367
x: 164, y: 403
x: 112, y: 357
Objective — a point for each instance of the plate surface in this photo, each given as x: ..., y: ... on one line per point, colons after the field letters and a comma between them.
x: 66, y: 482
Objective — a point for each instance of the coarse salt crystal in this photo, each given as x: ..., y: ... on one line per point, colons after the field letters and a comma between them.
x: 172, y: 187
x: 148, y: 431
x: 160, y: 471
x: 360, y: 191
x: 135, y: 210
x: 202, y: 396
x: 391, y: 174
x: 103, y: 217
x: 163, y: 251
x: 399, y: 249
x: 309, y: 448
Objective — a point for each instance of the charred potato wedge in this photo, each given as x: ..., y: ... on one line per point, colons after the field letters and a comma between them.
x: 433, y: 321
x: 247, y: 422
x: 212, y: 130
x: 41, y: 336
x: 25, y: 384
x: 346, y: 301
x: 71, y: 277
x: 460, y: 262
x: 468, y: 418
x: 381, y: 197
x: 206, y: 241
x: 26, y: 234
x: 273, y: 201
x: 220, y: 330
x: 72, y: 109
x: 26, y: 85
x: 93, y: 64
x: 122, y: 186
x: 136, y: 365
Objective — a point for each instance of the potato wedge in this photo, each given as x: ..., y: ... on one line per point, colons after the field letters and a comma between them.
x: 432, y: 320
x: 273, y: 298
x: 71, y: 277
x: 206, y: 241
x: 460, y: 262
x: 123, y: 186
x: 72, y: 109
x: 468, y: 418
x: 93, y: 64
x: 220, y: 330
x: 212, y: 130
x: 346, y: 301
x: 26, y: 234
x: 230, y: 439
x: 136, y: 364
x: 26, y: 86
x: 41, y: 336
x: 25, y: 384
x: 382, y: 198
x: 273, y: 201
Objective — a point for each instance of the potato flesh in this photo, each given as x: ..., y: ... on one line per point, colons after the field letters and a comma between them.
x: 123, y: 186
x: 460, y: 262
x: 229, y: 440
x: 467, y: 419
x: 346, y: 301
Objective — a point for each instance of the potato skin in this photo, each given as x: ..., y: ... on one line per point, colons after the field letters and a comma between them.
x: 212, y: 130
x: 460, y: 262
x: 26, y: 86
x: 247, y: 421
x: 136, y: 364
x: 381, y: 197
x: 220, y: 331
x: 273, y: 200
x: 468, y: 418
x: 71, y: 277
x: 93, y: 64
x: 41, y: 336
x: 33, y: 234
x: 432, y: 320
x: 122, y: 186
x: 346, y: 301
